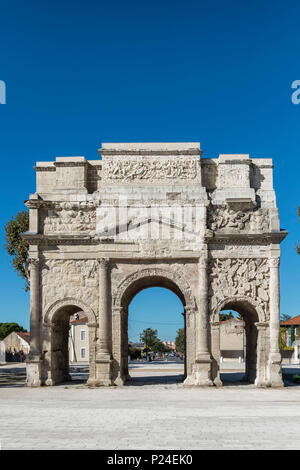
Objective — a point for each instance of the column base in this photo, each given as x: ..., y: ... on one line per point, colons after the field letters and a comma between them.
x: 201, y: 375
x: 275, y: 371
x: 34, y: 372
x: 103, y: 372
x: 218, y: 382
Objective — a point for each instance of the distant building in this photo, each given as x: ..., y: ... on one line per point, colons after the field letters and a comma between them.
x: 79, y: 338
x: 17, y: 346
x: 232, y: 338
x: 291, y: 327
x: 170, y: 344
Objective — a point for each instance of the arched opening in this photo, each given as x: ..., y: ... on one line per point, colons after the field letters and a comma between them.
x: 154, y: 302
x: 238, y: 342
x: 155, y: 321
x: 70, y: 345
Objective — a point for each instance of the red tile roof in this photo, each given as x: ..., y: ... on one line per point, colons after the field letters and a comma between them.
x: 25, y: 336
x: 80, y: 320
x: 231, y: 319
x: 292, y: 321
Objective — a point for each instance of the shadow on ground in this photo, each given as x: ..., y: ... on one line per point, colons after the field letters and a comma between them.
x: 155, y: 380
x: 13, y: 376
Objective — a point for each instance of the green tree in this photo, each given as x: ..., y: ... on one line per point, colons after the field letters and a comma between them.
x: 7, y: 328
x: 16, y: 247
x: 149, y: 337
x: 179, y: 341
x: 293, y: 336
x: 159, y: 347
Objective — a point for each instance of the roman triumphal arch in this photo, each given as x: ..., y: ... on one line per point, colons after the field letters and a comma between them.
x: 153, y: 215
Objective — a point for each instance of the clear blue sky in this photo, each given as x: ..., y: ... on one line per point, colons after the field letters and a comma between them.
x: 82, y: 73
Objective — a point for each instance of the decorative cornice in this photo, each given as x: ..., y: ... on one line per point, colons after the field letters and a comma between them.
x: 40, y: 239
x: 69, y: 164
x: 151, y: 152
x: 44, y: 168
x: 245, y: 238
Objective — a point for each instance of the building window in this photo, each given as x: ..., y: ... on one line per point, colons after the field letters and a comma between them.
x: 82, y: 335
x: 82, y: 353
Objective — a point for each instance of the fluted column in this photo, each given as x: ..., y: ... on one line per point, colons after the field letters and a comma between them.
x: 275, y: 375
x: 274, y: 305
x: 104, y: 314
x: 34, y: 361
x: 104, y: 354
x: 202, y: 320
x: 35, y: 341
x: 202, y: 368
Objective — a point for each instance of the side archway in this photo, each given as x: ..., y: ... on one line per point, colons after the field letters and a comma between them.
x: 255, y: 327
x: 56, y: 323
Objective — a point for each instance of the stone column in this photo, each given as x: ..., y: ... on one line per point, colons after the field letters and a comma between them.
x: 104, y: 317
x: 215, y: 333
x: 202, y: 368
x: 33, y: 363
x: 275, y: 374
x: 104, y: 362
x: 261, y: 361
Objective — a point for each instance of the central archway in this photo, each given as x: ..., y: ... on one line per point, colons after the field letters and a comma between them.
x: 127, y: 290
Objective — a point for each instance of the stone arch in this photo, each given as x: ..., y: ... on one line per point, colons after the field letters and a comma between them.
x: 153, y: 277
x: 254, y: 317
x: 75, y: 305
x: 56, y: 323
x: 126, y: 291
x: 242, y: 302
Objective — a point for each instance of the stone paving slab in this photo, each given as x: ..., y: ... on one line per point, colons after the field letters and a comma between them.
x: 161, y: 416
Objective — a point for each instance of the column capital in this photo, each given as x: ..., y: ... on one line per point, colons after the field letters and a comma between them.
x: 203, y: 262
x: 34, y: 262
x: 274, y: 262
x: 103, y: 262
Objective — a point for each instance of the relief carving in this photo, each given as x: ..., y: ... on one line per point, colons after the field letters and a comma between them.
x: 154, y: 169
x: 232, y: 176
x: 226, y: 218
x: 70, y: 217
x: 234, y: 277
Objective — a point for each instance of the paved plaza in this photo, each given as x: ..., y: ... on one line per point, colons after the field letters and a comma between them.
x: 157, y: 412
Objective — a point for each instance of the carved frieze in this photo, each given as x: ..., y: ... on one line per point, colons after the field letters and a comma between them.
x: 234, y: 175
x: 69, y: 217
x: 148, y: 170
x: 226, y: 218
x: 235, y: 277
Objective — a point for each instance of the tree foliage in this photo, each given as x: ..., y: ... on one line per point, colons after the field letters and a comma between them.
x: 7, y: 328
x: 149, y: 337
x: 152, y: 342
x: 16, y: 247
x: 179, y: 341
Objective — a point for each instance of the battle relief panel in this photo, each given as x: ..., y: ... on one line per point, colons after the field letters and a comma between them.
x: 239, y: 278
x: 69, y: 217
